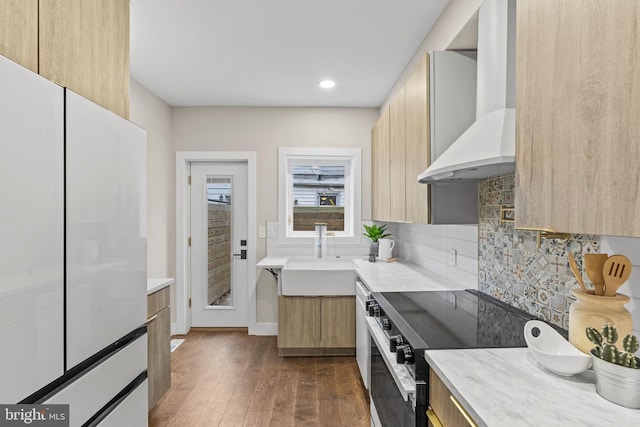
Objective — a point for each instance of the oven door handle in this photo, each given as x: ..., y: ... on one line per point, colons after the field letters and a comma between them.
x: 401, y: 376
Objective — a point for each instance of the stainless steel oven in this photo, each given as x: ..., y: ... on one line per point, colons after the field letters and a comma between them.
x: 394, y: 392
x: 403, y: 325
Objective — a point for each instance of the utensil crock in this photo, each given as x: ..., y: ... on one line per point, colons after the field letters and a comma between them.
x: 595, y: 310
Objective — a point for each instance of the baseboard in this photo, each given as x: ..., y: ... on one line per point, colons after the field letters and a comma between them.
x: 175, y: 330
x: 297, y: 352
x: 268, y: 329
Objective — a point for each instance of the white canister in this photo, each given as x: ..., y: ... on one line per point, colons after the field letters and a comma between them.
x: 386, y: 248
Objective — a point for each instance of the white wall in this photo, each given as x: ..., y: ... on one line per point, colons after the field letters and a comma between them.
x: 153, y: 114
x: 451, y: 22
x: 264, y: 130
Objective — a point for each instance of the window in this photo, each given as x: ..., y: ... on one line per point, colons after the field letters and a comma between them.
x: 318, y: 185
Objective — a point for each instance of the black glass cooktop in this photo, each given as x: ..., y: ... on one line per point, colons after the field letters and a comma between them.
x: 455, y: 319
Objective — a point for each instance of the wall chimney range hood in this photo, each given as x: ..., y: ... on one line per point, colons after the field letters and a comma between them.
x: 487, y: 148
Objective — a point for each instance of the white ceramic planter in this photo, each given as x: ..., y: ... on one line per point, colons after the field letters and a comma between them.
x: 617, y: 384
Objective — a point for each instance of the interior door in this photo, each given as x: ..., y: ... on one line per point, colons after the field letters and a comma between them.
x: 219, y: 221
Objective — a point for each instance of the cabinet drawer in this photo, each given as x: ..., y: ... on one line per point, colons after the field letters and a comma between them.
x: 159, y: 356
x: 157, y: 301
x: 131, y: 412
x: 445, y: 409
x: 93, y: 390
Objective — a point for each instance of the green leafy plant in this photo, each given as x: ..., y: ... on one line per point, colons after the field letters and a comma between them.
x: 605, y: 348
x: 375, y: 232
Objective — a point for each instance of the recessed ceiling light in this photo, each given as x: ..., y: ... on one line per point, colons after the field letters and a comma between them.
x: 327, y: 84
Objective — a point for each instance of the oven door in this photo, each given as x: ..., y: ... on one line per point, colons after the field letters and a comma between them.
x: 392, y: 387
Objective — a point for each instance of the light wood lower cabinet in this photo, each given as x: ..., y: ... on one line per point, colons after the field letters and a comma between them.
x: 444, y: 409
x: 159, y: 345
x: 322, y: 325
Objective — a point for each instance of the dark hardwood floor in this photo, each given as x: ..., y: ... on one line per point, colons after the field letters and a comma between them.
x: 232, y: 379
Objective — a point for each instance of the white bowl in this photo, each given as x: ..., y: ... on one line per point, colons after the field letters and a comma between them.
x: 552, y: 351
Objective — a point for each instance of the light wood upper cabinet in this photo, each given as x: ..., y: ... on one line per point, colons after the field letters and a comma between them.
x: 84, y: 45
x: 397, y: 165
x: 578, y: 109
x: 380, y: 168
x: 417, y: 142
x: 19, y: 32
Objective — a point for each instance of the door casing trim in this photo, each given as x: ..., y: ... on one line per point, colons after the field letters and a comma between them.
x: 183, y: 167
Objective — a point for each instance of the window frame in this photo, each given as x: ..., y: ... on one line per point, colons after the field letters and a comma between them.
x: 351, y: 158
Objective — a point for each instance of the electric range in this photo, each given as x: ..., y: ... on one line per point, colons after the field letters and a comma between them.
x: 405, y: 324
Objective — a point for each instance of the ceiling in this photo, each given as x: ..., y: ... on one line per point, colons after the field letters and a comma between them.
x: 275, y: 52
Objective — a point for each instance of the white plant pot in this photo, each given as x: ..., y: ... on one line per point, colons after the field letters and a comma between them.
x: 617, y: 384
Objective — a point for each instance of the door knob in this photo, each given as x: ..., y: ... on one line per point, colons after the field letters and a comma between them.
x: 242, y: 254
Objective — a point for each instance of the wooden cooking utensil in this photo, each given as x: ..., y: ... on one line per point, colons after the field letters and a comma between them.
x: 593, y: 264
x: 576, y: 271
x: 616, y: 271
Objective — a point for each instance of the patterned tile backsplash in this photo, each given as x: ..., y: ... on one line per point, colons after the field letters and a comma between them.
x: 513, y: 269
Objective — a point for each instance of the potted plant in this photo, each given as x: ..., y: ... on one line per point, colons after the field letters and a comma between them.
x: 375, y: 232
x: 617, y: 372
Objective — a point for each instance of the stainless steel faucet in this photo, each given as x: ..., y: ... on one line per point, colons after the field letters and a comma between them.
x: 321, y: 228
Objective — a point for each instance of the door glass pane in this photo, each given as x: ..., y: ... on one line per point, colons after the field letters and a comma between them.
x: 219, y: 229
x: 318, y: 196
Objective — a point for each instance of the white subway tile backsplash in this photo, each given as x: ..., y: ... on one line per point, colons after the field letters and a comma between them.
x: 463, y: 247
x: 463, y: 232
x: 428, y: 246
x: 468, y: 280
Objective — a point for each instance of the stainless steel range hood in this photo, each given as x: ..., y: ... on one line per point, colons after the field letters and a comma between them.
x: 487, y: 148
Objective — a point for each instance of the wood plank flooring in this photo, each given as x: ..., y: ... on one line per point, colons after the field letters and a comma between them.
x: 223, y: 378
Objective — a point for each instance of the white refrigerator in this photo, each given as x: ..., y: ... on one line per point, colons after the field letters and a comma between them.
x: 72, y: 253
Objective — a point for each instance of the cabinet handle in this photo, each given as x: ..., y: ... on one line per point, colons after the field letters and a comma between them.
x: 433, y: 418
x: 152, y: 318
x: 462, y: 411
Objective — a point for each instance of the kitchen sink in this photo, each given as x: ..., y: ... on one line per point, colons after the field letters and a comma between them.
x: 318, y: 276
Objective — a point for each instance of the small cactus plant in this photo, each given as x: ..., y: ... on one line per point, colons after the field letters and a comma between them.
x: 606, y: 349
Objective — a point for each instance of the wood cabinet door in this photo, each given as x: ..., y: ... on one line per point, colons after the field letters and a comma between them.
x: 397, y: 167
x: 299, y: 322
x: 84, y: 45
x: 417, y: 142
x: 159, y: 355
x: 19, y: 32
x: 577, y: 127
x: 380, y: 181
x: 443, y: 406
x: 338, y: 324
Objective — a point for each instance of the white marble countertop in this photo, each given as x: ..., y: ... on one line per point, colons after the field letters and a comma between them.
x: 395, y: 276
x: 272, y: 262
x: 506, y: 387
x: 403, y: 276
x: 155, y: 284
